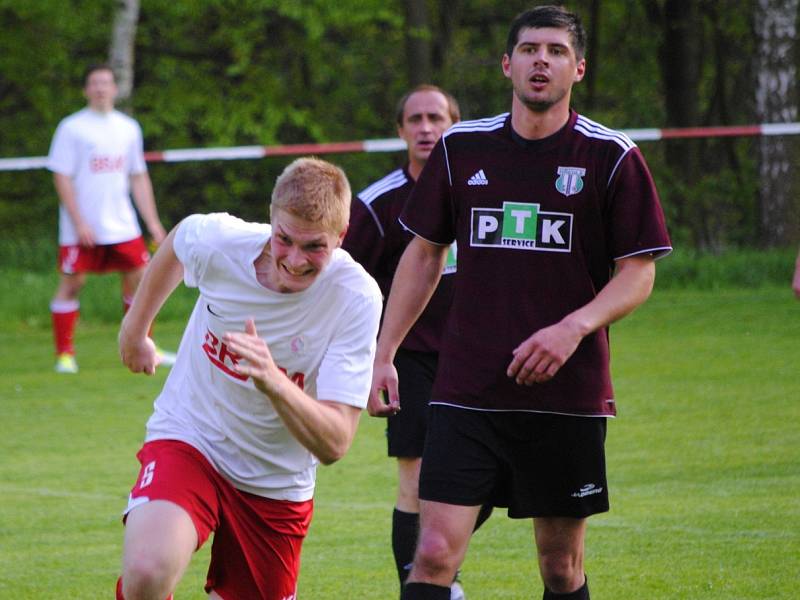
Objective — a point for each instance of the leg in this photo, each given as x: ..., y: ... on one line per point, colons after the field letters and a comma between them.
x: 64, y: 309
x: 559, y: 544
x: 445, y: 530
x: 160, y: 539
x: 130, y: 281
x: 405, y: 518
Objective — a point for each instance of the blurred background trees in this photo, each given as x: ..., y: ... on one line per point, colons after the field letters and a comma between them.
x: 241, y: 72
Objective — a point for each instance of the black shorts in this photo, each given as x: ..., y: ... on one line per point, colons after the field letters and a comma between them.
x: 537, y: 465
x: 405, y: 431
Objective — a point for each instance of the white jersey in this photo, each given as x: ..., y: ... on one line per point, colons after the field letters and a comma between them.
x: 99, y: 152
x: 323, y: 337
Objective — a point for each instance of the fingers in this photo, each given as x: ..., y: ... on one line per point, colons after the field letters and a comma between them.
x: 534, y: 367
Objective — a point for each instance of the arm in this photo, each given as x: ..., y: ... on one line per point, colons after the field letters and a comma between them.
x: 160, y: 279
x: 539, y: 357
x: 66, y: 195
x: 416, y: 278
x: 142, y: 190
x: 796, y: 280
x: 326, y: 428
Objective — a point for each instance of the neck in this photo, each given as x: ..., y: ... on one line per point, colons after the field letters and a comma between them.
x: 414, y: 168
x: 533, y: 125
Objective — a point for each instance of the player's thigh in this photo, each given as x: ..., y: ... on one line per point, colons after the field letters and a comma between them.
x: 159, y: 533
x: 407, y: 429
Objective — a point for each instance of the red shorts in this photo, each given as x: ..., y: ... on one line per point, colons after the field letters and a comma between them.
x: 125, y: 256
x: 256, y: 548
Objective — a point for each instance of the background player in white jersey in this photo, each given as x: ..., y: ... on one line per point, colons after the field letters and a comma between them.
x: 376, y: 239
x: 271, y: 376
x: 97, y: 160
x: 558, y: 224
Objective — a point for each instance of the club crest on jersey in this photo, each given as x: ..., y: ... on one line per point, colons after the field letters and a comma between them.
x: 570, y: 180
x: 521, y: 226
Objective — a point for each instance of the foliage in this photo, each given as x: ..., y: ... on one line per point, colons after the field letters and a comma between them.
x: 263, y: 72
x: 702, y: 466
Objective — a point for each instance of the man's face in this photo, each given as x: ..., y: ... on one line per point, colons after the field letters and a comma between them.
x: 100, y: 90
x: 543, y: 67
x: 426, y: 116
x: 299, y: 251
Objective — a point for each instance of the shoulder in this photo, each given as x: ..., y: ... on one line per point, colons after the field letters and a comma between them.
x: 476, y: 126
x: 76, y: 119
x: 391, y: 182
x: 593, y: 130
x: 125, y: 120
x: 220, y: 229
x: 349, y: 276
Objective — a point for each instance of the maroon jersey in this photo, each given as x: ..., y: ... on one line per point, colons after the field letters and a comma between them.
x: 377, y: 239
x: 539, y: 224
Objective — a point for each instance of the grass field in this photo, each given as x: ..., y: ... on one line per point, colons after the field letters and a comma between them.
x: 704, y: 464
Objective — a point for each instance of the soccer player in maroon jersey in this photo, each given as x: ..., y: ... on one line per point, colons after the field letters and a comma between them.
x: 376, y: 239
x: 558, y: 225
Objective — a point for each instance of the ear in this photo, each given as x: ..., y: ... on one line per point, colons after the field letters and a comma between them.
x: 506, y: 64
x: 341, y: 236
x: 580, y: 70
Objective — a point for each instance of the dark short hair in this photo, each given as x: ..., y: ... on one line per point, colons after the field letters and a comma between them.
x: 557, y: 17
x: 97, y: 67
x: 452, y: 103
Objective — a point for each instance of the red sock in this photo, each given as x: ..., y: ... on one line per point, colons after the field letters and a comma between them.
x: 65, y: 315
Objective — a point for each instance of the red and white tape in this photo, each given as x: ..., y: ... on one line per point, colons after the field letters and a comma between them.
x: 396, y: 145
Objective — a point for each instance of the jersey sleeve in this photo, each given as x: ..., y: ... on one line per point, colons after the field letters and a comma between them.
x: 136, y: 152
x: 190, y: 249
x: 345, y: 374
x: 63, y: 155
x: 635, y: 220
x: 365, y: 239
x: 429, y: 211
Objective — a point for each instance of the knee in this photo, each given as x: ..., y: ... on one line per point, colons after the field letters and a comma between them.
x: 434, y: 554
x: 562, y: 573
x: 144, y: 578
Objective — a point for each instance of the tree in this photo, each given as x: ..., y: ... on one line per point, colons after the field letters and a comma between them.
x: 776, y: 102
x: 121, y: 49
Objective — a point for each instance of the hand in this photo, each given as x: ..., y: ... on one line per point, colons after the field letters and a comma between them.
x: 85, y: 236
x: 539, y: 358
x: 384, y: 383
x: 256, y: 359
x: 158, y: 233
x: 139, y: 355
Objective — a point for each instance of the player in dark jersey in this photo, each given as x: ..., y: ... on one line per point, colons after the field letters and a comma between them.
x: 558, y: 225
x: 376, y: 239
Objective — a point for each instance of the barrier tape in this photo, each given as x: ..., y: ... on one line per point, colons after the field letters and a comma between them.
x: 397, y: 144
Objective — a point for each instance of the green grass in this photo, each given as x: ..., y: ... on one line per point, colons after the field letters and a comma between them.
x: 704, y: 465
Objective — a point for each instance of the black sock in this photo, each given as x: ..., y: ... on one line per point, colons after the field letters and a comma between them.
x: 485, y: 513
x: 424, y: 591
x: 405, y: 529
x: 582, y: 593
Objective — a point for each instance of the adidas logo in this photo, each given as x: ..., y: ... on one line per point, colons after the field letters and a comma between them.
x: 478, y: 179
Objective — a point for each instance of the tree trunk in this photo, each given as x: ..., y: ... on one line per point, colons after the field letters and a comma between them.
x: 120, y: 52
x: 776, y: 102
x: 418, y: 42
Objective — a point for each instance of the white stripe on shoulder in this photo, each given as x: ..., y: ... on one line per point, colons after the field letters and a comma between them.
x: 592, y: 129
x: 392, y: 181
x: 487, y: 124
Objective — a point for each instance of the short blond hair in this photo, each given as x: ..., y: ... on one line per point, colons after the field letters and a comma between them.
x: 316, y: 191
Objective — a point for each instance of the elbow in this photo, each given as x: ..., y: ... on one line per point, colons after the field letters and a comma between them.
x: 333, y: 453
